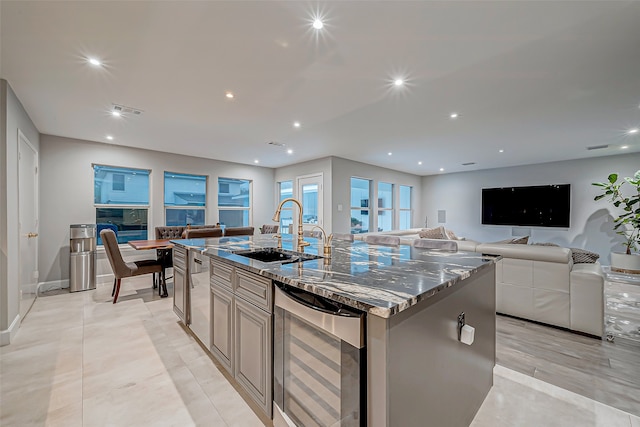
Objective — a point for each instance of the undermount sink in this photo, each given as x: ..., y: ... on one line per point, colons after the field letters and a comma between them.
x: 281, y: 256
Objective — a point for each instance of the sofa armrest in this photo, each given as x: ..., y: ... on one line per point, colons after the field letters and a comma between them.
x: 528, y: 252
x: 587, y: 299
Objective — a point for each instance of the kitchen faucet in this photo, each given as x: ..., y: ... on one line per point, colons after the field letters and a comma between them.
x: 276, y: 218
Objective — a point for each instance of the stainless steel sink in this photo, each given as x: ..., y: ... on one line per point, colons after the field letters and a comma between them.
x: 276, y: 255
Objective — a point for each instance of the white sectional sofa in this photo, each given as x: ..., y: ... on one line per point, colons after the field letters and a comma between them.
x: 539, y: 283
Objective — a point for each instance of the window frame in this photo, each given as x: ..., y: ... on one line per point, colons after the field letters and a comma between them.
x: 391, y: 209
x: 361, y: 208
x: 401, y: 209
x: 288, y: 207
x: 184, y: 207
x: 249, y: 208
x: 145, y: 207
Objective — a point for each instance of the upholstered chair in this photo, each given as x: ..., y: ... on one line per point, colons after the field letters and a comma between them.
x: 269, y: 229
x: 122, y: 269
x: 238, y: 231
x: 198, y: 233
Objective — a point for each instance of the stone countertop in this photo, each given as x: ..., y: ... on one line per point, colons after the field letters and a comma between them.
x: 380, y: 280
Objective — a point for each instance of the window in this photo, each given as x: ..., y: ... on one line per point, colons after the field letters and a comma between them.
x: 234, y: 202
x: 360, y: 195
x: 285, y: 190
x: 121, y: 199
x: 405, y: 207
x: 385, y: 206
x: 185, y: 199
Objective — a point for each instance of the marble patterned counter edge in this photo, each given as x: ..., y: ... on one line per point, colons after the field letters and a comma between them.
x: 382, y: 281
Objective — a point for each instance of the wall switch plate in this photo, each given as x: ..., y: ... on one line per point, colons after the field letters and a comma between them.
x: 339, y: 207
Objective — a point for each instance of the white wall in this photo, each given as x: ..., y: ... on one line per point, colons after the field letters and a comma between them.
x: 460, y: 195
x: 66, y: 192
x: 313, y: 167
x: 12, y: 117
x: 343, y: 170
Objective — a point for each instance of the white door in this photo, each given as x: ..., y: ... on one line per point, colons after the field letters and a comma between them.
x: 310, y: 194
x: 28, y: 222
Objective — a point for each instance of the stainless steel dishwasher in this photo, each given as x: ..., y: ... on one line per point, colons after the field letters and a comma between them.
x: 199, y: 308
x: 319, y: 360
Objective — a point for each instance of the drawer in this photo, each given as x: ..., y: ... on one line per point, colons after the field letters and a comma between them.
x: 222, y: 274
x: 180, y: 257
x: 254, y: 289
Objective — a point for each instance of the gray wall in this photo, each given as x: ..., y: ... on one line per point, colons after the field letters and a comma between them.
x: 459, y: 194
x: 66, y: 192
x: 313, y: 167
x: 343, y: 170
x: 12, y: 117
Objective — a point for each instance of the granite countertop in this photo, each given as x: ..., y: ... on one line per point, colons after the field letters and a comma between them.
x: 377, y: 279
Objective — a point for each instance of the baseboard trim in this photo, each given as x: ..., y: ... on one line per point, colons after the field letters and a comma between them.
x: 7, y: 335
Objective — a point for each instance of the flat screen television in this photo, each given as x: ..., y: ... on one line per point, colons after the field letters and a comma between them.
x: 542, y: 206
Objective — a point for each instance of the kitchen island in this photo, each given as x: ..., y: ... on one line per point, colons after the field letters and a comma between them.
x: 418, y: 372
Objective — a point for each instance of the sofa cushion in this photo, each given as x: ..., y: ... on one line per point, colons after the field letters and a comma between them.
x: 514, y: 241
x: 582, y: 256
x: 433, y: 233
x: 529, y: 252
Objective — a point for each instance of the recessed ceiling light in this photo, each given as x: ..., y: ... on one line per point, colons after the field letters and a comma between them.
x: 389, y: 153
x: 419, y: 163
x: 109, y: 137
x: 318, y: 24
x: 398, y: 82
x: 116, y: 113
x: 289, y: 151
x: 229, y: 95
x: 441, y: 169
x: 500, y: 151
x: 296, y: 124
x: 454, y: 115
x: 632, y: 131
x: 94, y: 61
x: 256, y: 161
x: 624, y: 147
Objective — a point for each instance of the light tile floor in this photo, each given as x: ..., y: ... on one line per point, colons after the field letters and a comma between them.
x: 79, y: 360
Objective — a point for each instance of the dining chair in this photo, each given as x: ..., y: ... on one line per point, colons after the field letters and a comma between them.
x: 269, y: 229
x: 382, y: 240
x: 122, y: 269
x: 436, y: 244
x: 199, y: 233
x: 238, y: 231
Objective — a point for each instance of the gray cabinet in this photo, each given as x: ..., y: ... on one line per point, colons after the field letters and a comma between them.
x: 222, y: 326
x: 180, y: 282
x: 242, y: 335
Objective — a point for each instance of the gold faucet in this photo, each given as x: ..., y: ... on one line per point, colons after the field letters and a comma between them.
x: 326, y: 240
x: 276, y: 218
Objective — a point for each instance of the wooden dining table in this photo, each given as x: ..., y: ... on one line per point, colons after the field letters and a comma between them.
x: 163, y: 246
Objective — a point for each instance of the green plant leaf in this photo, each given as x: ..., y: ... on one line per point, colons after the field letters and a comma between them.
x: 613, y: 177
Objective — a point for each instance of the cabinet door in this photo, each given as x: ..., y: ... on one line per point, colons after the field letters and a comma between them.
x: 253, y: 350
x: 179, y: 301
x: 222, y: 326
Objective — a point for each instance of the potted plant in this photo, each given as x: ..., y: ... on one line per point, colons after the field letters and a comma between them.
x: 627, y: 224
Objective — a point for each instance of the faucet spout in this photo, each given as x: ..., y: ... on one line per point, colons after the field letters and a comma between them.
x: 276, y: 218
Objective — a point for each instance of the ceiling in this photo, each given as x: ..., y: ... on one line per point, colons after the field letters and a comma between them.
x: 541, y: 80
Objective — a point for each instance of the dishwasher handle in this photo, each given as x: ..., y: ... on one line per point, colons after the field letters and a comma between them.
x: 347, y: 328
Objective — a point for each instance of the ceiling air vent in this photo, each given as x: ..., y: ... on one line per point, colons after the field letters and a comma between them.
x: 597, y: 147
x: 277, y: 144
x: 123, y: 109
x: 468, y: 163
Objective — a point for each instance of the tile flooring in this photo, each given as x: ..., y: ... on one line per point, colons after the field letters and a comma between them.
x: 79, y: 360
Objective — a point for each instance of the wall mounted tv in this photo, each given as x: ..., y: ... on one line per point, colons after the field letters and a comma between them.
x: 541, y: 206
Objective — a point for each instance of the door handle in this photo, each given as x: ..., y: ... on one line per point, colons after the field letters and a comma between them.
x: 30, y: 235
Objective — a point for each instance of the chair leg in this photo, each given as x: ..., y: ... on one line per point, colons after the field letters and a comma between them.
x: 163, y: 279
x: 155, y: 283
x: 115, y: 298
x: 113, y: 290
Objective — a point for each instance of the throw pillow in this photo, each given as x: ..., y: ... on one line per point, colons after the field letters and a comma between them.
x: 433, y: 233
x: 582, y: 256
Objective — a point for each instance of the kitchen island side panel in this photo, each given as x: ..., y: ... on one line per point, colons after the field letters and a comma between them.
x: 431, y: 378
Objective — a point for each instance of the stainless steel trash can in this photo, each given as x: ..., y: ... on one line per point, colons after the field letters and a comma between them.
x: 82, y: 259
